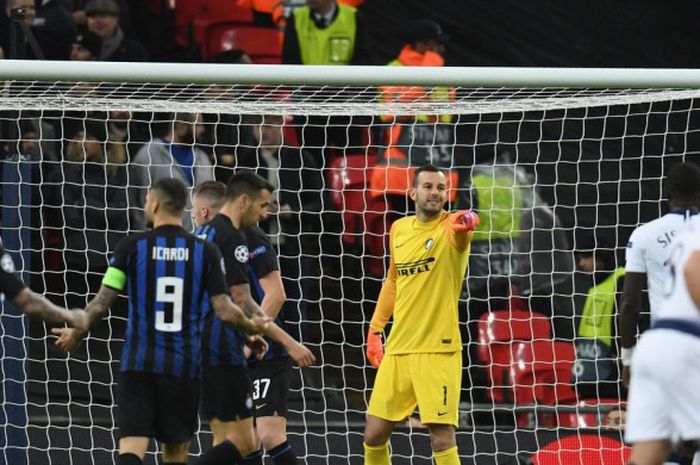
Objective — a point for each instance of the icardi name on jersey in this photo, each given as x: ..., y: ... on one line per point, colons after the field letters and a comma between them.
x: 179, y: 254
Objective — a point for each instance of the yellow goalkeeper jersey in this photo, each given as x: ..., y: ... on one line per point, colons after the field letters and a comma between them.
x: 423, y: 285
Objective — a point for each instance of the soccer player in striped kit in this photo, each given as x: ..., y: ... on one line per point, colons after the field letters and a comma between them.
x: 173, y: 279
x: 227, y: 395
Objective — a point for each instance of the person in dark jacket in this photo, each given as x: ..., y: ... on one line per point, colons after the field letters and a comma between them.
x: 103, y: 20
x: 87, y: 198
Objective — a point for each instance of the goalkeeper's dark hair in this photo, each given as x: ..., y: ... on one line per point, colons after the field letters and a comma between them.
x: 246, y: 182
x: 172, y: 193
x: 683, y: 183
x: 429, y: 168
x: 213, y: 191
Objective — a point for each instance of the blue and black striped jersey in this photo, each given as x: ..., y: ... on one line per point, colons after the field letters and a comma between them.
x: 262, y: 261
x: 169, y: 276
x: 223, y: 345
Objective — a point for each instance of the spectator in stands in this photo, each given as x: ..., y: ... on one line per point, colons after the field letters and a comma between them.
x: 128, y: 130
x: 86, y: 46
x: 174, y: 155
x: 326, y: 33
x: 29, y: 7
x: 295, y: 207
x: 595, y: 373
x: 54, y: 29
x: 226, y: 133
x: 87, y: 198
x: 414, y: 140
x: 50, y: 25
x: 103, y: 20
x: 26, y: 145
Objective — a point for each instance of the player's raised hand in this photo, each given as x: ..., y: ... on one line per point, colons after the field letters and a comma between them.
x: 301, y: 354
x: 375, y: 349
x: 464, y: 221
x: 68, y: 338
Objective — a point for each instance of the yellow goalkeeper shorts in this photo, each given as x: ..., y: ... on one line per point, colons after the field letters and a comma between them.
x: 432, y: 381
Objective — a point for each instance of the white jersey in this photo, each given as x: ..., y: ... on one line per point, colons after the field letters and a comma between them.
x: 678, y: 304
x: 648, y: 249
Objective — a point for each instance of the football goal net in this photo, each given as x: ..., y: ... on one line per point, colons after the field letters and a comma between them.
x: 555, y: 162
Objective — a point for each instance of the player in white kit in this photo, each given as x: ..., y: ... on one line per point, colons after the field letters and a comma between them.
x: 664, y: 396
x: 648, y: 249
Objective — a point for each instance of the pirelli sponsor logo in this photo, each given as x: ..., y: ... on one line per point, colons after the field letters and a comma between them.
x: 411, y: 268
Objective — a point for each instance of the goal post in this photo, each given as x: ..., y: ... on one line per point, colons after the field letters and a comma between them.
x: 545, y: 155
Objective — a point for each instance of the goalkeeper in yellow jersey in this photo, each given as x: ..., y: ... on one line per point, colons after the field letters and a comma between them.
x: 423, y: 362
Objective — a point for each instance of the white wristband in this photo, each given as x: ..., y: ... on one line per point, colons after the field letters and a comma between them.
x: 626, y: 356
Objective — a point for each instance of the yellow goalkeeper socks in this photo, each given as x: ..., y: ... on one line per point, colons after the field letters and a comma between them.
x: 377, y: 455
x: 447, y: 457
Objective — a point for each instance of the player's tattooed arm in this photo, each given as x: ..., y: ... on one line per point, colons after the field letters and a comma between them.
x: 97, y: 308
x: 83, y: 320
x: 242, y: 297
x: 39, y: 307
x: 232, y: 314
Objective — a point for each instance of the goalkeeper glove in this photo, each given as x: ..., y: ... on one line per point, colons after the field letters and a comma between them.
x: 375, y: 350
x: 463, y: 221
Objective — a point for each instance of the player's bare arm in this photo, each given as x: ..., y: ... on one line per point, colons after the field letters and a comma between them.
x: 84, y: 320
x: 38, y: 307
x: 300, y: 354
x: 275, y: 296
x: 631, y: 303
x: 691, y: 270
x: 232, y: 314
x: 628, y: 319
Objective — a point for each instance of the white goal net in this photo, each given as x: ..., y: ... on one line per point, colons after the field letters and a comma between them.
x: 547, y: 168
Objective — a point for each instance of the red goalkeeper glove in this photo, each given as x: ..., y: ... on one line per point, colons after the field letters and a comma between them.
x: 464, y: 221
x: 375, y: 349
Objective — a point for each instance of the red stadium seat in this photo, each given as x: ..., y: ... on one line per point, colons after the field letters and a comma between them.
x: 583, y: 449
x: 261, y: 44
x: 365, y: 218
x: 193, y: 17
x: 497, y: 331
x: 541, y: 372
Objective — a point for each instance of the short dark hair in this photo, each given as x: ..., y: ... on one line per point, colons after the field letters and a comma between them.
x: 214, y: 191
x: 172, y: 193
x: 429, y: 168
x: 246, y: 182
x: 683, y: 182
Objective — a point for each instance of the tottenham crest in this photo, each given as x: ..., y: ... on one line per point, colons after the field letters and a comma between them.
x: 241, y: 254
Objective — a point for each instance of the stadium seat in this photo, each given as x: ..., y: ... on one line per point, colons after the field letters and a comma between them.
x: 541, y: 372
x: 583, y: 449
x: 365, y: 218
x: 193, y: 17
x: 261, y: 44
x: 497, y: 331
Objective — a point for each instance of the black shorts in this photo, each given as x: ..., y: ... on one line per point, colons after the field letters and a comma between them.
x: 226, y: 393
x: 157, y: 406
x: 271, y: 380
